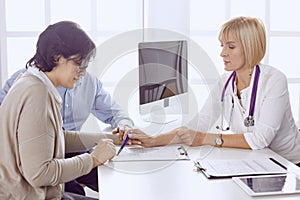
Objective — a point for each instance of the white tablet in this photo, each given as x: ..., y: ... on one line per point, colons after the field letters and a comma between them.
x: 269, y: 184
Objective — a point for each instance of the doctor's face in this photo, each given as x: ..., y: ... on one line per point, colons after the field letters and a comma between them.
x: 233, y: 55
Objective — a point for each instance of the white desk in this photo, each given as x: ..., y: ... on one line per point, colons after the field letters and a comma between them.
x: 176, y: 180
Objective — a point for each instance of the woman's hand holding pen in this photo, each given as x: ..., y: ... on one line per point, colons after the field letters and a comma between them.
x: 122, y: 132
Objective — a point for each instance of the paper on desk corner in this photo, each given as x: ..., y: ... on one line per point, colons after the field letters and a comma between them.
x: 139, y: 153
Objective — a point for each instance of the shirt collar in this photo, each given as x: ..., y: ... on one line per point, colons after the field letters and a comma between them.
x: 42, y: 76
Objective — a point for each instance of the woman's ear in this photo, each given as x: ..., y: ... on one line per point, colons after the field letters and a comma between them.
x: 58, y: 59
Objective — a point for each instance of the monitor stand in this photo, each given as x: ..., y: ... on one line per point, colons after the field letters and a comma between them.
x: 158, y: 118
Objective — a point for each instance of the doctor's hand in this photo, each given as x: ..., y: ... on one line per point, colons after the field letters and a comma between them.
x: 190, y: 137
x: 104, y: 150
x: 138, y: 137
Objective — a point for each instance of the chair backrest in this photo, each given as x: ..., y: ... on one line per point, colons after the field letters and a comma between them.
x: 152, y: 92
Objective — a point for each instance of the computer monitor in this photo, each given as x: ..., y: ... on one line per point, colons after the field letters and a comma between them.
x: 163, y: 79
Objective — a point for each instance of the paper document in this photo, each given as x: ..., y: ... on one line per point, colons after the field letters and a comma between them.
x: 139, y: 153
x: 230, y: 168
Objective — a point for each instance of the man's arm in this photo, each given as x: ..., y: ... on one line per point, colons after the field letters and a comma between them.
x: 9, y: 83
x: 108, y: 111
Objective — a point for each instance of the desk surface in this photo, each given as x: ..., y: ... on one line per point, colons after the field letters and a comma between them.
x: 161, y: 180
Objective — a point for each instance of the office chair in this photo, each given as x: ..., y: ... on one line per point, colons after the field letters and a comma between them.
x: 152, y: 92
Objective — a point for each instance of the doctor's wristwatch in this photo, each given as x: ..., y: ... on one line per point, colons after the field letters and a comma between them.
x: 219, y: 141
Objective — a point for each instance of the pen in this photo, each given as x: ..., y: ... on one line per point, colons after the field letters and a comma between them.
x: 124, y: 143
x: 278, y: 163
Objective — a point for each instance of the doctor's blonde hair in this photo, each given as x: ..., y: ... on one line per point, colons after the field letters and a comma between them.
x: 251, y: 33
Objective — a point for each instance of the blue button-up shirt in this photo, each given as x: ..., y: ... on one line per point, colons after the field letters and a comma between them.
x: 87, y: 97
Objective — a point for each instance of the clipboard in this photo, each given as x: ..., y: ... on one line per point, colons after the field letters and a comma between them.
x: 139, y: 153
x: 214, y: 169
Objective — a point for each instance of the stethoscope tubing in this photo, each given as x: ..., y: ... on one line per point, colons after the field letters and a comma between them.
x: 249, y: 121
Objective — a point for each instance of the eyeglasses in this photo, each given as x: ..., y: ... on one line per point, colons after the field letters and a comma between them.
x: 81, y: 69
x: 82, y: 65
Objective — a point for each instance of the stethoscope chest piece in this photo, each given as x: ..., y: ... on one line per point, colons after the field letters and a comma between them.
x: 249, y: 121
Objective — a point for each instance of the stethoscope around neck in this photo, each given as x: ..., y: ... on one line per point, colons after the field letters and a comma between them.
x: 249, y: 120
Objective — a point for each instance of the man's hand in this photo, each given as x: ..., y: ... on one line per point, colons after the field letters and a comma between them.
x: 122, y: 131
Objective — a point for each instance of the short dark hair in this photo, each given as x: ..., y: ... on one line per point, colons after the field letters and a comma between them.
x: 63, y: 38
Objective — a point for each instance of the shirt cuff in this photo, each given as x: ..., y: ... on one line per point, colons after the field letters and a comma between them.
x: 125, y: 124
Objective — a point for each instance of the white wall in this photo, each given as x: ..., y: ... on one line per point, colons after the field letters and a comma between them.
x: 105, y: 20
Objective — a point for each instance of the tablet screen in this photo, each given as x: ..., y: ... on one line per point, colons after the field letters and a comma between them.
x: 269, y: 185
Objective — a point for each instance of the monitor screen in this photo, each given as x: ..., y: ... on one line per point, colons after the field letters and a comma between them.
x: 162, y: 71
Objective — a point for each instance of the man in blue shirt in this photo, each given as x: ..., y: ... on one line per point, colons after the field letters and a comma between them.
x: 87, y: 97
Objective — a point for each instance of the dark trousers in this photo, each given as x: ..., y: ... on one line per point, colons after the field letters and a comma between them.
x: 90, y: 180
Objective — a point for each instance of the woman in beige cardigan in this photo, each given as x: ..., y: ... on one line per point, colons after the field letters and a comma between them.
x: 32, y: 141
